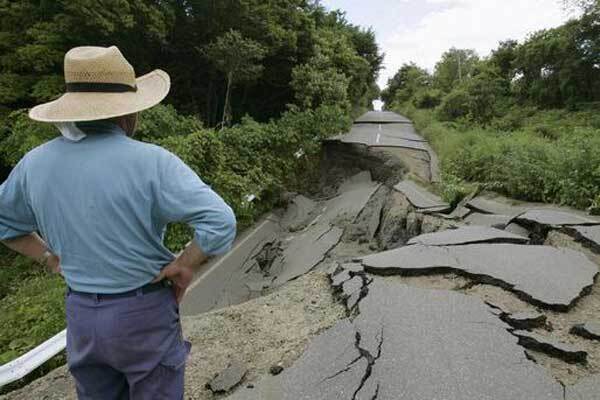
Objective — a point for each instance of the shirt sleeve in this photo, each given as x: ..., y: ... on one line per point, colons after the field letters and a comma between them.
x: 16, y: 216
x: 185, y: 198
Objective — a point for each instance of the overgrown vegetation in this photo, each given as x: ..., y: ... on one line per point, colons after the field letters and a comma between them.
x: 251, y: 133
x: 523, y: 121
x: 199, y: 43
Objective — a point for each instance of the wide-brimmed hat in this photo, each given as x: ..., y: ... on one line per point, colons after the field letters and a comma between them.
x: 101, y: 84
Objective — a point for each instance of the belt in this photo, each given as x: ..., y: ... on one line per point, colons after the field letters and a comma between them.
x: 149, y: 288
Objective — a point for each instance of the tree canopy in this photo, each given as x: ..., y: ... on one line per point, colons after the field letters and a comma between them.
x: 552, y: 68
x: 278, y: 36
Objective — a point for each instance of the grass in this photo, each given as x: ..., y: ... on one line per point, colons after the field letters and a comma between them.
x: 31, y: 310
x: 547, y: 156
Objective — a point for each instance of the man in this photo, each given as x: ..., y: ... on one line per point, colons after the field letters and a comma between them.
x: 100, y: 202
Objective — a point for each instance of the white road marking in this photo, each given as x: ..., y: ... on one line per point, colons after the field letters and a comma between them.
x: 378, y: 135
x: 222, y: 260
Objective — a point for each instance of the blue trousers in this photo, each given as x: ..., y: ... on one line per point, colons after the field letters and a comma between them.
x: 126, y: 348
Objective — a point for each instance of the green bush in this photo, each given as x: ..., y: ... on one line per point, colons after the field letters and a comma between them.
x: 164, y: 121
x: 454, y: 105
x: 523, y: 164
x: 429, y: 98
x: 260, y: 159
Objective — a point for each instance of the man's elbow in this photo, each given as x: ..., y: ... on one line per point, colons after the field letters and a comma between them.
x: 230, y: 223
x: 218, y: 237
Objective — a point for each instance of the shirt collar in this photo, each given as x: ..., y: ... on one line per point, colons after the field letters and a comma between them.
x: 77, y: 131
x: 99, y: 127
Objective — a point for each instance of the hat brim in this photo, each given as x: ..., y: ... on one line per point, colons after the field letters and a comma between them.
x: 152, y: 88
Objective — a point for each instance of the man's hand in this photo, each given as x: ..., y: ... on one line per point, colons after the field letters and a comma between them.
x: 53, y: 264
x: 181, y: 277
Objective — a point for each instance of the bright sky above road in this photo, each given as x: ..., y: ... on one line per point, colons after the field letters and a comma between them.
x: 421, y: 30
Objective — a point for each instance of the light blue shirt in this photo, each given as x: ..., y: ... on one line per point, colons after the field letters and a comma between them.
x: 102, y: 204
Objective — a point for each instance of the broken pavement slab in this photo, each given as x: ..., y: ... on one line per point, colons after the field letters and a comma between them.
x: 498, y: 205
x: 586, y: 389
x: 517, y: 229
x: 421, y: 198
x: 550, y: 346
x: 446, y: 345
x: 382, y: 117
x: 229, y: 378
x: 296, y: 259
x: 498, y: 221
x: 524, y: 320
x: 551, y: 217
x: 588, y: 330
x: 542, y: 275
x: 590, y: 235
x: 467, y: 235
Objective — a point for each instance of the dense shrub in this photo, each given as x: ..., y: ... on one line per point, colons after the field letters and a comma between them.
x: 524, y: 164
x: 429, y: 98
x: 259, y: 159
x: 454, y: 105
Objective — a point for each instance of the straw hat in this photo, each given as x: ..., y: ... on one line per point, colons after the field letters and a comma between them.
x: 101, y: 84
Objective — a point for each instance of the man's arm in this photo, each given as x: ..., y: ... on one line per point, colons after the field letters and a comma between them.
x: 33, y: 246
x: 183, y: 197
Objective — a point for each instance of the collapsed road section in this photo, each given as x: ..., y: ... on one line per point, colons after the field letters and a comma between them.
x: 376, y: 288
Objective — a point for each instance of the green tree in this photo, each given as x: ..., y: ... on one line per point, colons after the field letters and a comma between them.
x: 317, y: 83
x: 455, y: 66
x: 409, y: 79
x: 238, y: 58
x: 504, y: 58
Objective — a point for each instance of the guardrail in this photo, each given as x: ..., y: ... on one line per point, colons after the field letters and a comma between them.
x: 24, y: 365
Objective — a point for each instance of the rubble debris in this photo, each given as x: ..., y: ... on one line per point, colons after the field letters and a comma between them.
x: 276, y: 369
x: 586, y: 389
x: 551, y: 347
x: 366, y: 224
x: 467, y: 235
x: 351, y: 282
x: 542, y: 275
x: 229, y: 378
x: 421, y: 198
x: 393, y: 230
x: 524, y: 320
x: 588, y: 330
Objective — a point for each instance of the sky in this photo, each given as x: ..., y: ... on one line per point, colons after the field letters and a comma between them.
x: 421, y: 30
